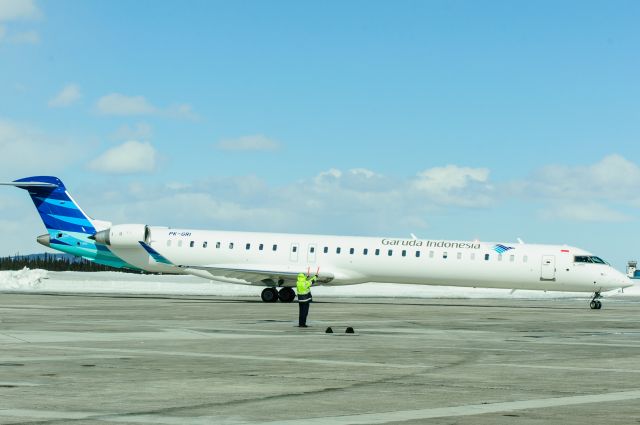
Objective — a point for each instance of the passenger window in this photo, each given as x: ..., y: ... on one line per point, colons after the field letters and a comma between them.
x: 294, y: 249
x: 351, y: 251
x: 445, y: 255
x: 404, y: 252
x: 260, y: 247
x: 168, y: 242
x: 525, y: 259
x: 390, y: 253
x: 180, y: 243
x: 326, y: 249
x: 512, y: 258
x: 365, y: 251
x: 204, y: 244
x: 218, y: 244
x: 486, y: 257
x: 338, y: 250
x: 192, y: 244
x: 431, y: 254
x: 417, y: 254
x: 459, y: 256
x: 472, y: 256
x: 377, y: 252
x: 499, y: 257
x: 312, y: 249
x: 247, y: 246
x: 230, y: 245
x: 274, y: 248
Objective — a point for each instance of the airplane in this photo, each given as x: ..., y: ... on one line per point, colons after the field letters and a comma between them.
x: 274, y: 260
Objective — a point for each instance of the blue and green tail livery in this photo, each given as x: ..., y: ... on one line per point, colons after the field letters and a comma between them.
x: 68, y: 226
x: 58, y: 211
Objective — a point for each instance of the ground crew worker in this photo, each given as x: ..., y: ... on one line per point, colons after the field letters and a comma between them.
x: 304, y: 297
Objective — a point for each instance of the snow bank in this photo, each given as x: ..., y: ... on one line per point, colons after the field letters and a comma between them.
x: 21, y: 280
x: 125, y: 283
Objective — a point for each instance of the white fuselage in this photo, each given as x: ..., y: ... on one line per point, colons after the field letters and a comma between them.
x: 352, y: 260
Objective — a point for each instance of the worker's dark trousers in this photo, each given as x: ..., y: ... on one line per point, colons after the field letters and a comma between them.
x: 304, y: 311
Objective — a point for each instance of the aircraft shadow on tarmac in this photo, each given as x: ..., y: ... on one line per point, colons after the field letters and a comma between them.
x: 216, y: 300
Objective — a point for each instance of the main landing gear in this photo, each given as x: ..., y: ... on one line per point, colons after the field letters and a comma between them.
x: 595, y: 304
x: 272, y: 295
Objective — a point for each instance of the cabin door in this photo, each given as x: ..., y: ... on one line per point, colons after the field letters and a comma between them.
x: 293, y: 256
x: 548, y: 268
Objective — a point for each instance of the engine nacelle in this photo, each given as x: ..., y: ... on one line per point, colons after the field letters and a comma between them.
x: 124, y: 235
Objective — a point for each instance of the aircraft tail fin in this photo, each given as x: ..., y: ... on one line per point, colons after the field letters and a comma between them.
x: 57, y: 209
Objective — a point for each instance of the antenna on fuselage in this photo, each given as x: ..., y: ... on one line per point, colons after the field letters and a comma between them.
x: 520, y: 241
x: 413, y: 237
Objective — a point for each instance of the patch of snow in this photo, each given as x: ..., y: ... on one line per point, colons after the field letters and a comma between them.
x: 22, y: 280
x: 127, y: 283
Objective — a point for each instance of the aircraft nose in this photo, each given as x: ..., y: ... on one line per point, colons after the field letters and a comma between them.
x: 626, y: 282
x: 621, y: 280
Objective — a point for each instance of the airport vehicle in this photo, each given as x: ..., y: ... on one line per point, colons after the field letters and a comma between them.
x: 273, y: 260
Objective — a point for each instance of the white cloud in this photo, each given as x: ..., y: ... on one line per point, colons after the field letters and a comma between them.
x: 177, y: 186
x: 128, y: 158
x: 18, y: 10
x: 454, y: 185
x: 13, y: 10
x: 181, y: 111
x: 587, y: 211
x: 138, y: 131
x: 595, y: 192
x: 27, y: 150
x: 120, y: 104
x: 69, y: 95
x: 123, y: 105
x: 256, y: 142
x: 612, y: 178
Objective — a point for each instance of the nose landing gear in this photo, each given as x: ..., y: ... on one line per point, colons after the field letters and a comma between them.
x: 595, y: 304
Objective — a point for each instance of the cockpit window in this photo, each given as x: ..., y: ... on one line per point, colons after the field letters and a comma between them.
x: 589, y: 259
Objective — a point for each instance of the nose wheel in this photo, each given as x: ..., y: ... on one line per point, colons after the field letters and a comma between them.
x: 595, y: 304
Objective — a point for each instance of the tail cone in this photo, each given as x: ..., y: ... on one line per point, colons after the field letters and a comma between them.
x: 44, y: 240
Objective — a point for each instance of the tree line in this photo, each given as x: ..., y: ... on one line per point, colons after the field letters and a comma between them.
x: 56, y: 263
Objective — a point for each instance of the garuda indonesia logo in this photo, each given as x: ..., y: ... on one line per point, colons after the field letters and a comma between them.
x: 501, y: 249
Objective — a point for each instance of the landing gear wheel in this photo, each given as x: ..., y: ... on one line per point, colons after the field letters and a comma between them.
x: 269, y: 295
x: 286, y: 295
x: 595, y: 304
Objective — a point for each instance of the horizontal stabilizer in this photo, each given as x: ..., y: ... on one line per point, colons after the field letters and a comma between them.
x: 26, y: 185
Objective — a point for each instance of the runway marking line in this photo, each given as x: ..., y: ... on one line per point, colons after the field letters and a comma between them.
x: 359, y: 419
x: 550, y: 367
x: 238, y: 357
x: 465, y: 410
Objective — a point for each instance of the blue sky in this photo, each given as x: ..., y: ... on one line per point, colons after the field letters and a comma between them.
x: 448, y: 119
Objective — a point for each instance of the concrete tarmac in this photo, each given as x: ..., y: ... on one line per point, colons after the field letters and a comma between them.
x: 84, y: 359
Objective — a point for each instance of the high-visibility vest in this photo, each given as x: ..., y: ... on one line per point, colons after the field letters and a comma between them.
x: 303, y: 285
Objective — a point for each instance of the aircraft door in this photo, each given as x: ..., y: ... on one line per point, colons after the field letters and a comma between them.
x: 548, y: 268
x: 311, y: 254
x: 293, y: 254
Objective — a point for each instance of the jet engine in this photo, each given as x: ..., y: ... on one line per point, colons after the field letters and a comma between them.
x: 124, y: 235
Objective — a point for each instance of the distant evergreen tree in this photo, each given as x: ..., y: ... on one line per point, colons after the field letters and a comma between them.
x: 56, y: 263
